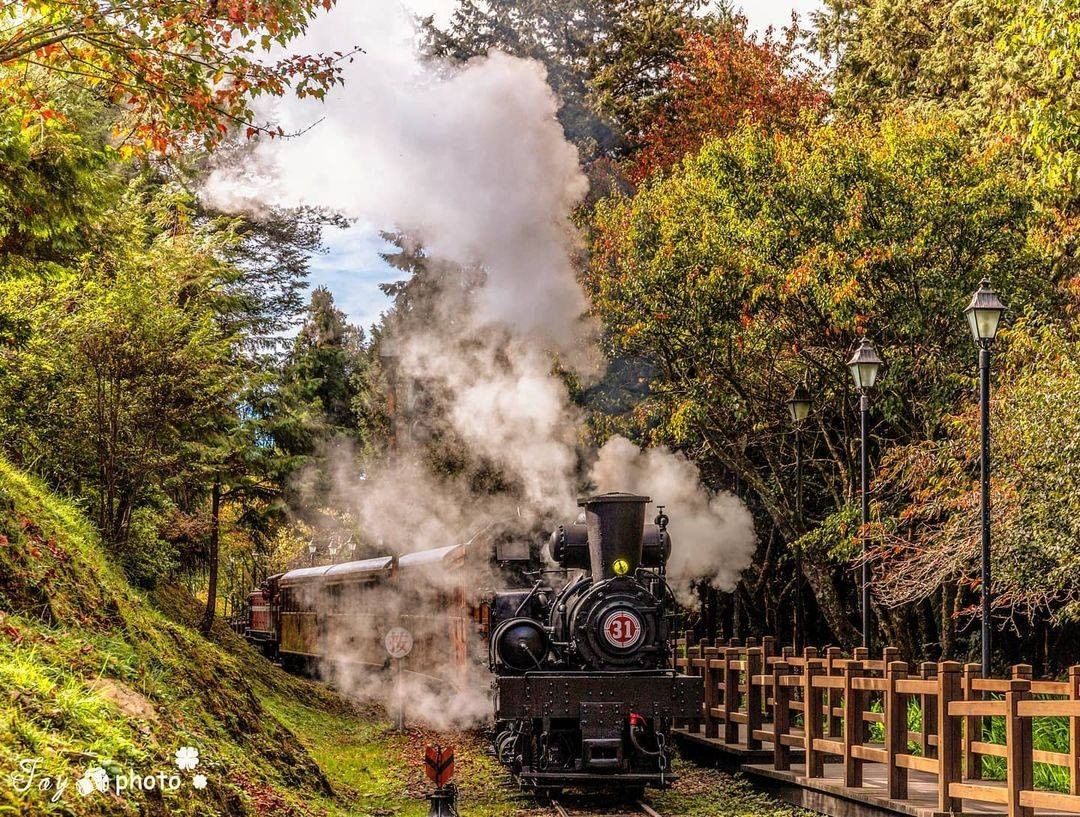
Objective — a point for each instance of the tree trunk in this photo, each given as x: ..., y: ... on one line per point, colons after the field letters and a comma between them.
x: 829, y: 602
x: 215, y: 538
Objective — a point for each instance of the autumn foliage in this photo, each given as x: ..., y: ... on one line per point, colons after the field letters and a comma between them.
x: 721, y: 79
x: 177, y: 68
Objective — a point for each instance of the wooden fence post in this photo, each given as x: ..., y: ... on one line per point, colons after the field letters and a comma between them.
x: 710, y: 673
x: 973, y: 724
x: 682, y: 662
x: 834, y: 727
x: 731, y: 694
x: 812, y: 725
x: 755, y: 663
x: 929, y: 705
x: 693, y: 653
x: 1018, y: 747
x: 768, y: 646
x: 852, y: 724
x: 1074, y: 733
x: 781, y: 717
x: 896, y: 731
x: 949, y: 734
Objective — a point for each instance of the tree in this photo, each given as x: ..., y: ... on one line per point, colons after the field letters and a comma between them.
x: 927, y: 522
x: 321, y: 380
x: 247, y: 470
x: 127, y: 359
x: 918, y: 53
x: 765, y: 257
x: 177, y: 68
x: 606, y: 61
x: 996, y: 66
x: 56, y: 177
x: 720, y: 80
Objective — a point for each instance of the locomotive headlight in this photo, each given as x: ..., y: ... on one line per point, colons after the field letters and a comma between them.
x: 620, y: 566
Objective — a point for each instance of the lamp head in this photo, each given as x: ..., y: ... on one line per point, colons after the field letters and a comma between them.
x: 865, y: 365
x: 984, y: 313
x: 799, y: 404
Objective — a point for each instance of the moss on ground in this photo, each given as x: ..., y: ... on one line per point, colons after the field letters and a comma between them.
x: 376, y: 772
x: 95, y: 675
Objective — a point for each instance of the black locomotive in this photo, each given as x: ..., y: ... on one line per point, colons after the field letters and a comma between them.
x: 584, y: 691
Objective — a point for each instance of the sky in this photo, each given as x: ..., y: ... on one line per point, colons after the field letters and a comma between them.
x: 351, y: 267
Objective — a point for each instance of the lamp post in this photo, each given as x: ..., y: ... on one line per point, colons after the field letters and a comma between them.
x: 984, y: 314
x: 799, y: 406
x: 311, y: 551
x: 865, y: 366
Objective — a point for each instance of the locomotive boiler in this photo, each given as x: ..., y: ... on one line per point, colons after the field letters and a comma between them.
x: 585, y: 694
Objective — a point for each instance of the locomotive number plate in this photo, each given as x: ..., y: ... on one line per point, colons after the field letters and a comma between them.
x: 622, y: 629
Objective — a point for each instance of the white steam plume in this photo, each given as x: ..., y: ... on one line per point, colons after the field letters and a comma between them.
x: 471, y: 162
x: 712, y: 534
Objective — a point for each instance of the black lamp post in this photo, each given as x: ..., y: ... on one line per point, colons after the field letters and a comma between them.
x: 865, y: 366
x: 799, y: 405
x: 984, y: 314
x: 311, y: 551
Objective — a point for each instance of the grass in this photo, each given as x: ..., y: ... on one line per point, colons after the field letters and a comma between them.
x: 1048, y: 734
x: 376, y: 772
x: 94, y: 674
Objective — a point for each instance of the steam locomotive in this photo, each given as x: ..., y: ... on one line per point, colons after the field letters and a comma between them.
x: 584, y: 693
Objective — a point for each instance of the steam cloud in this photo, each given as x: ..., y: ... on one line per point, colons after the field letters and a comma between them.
x: 471, y: 162
x: 712, y: 534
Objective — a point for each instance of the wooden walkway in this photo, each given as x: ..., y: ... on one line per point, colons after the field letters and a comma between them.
x: 885, y: 739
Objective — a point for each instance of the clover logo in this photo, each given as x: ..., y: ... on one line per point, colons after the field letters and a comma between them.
x: 199, y: 781
x: 187, y: 758
x: 94, y: 779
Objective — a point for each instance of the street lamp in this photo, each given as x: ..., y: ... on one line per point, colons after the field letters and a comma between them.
x: 864, y: 367
x: 311, y: 551
x: 799, y: 405
x: 984, y: 314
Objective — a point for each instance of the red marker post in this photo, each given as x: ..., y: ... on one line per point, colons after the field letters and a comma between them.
x: 439, y: 768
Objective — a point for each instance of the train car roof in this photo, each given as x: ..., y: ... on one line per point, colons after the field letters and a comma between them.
x: 337, y: 572
x: 430, y: 557
x: 367, y: 569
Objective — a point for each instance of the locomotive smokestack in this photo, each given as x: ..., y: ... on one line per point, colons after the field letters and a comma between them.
x: 615, y: 525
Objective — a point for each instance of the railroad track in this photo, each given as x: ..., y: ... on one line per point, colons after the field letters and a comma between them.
x: 584, y: 809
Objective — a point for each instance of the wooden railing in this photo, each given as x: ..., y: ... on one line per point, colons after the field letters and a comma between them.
x: 825, y: 705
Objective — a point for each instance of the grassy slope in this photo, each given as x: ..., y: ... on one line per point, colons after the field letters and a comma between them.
x: 92, y: 672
